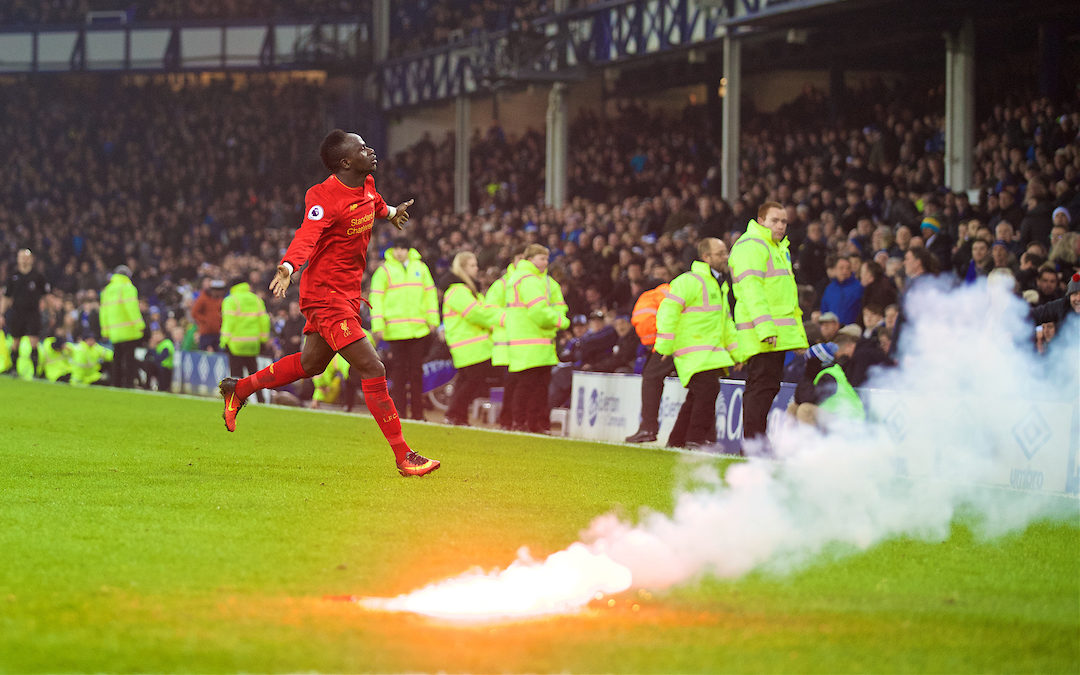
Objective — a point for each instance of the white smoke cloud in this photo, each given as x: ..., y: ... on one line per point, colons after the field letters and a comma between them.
x: 966, y: 368
x: 966, y: 362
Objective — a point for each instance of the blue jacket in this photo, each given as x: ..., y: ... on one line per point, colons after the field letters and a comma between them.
x: 845, y: 300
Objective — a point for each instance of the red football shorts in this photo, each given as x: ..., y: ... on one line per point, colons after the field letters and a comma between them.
x: 337, y: 320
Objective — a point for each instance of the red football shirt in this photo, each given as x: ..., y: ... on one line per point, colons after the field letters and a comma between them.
x: 334, y: 237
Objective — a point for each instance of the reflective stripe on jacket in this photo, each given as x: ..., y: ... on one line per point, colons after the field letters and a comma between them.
x: 766, y: 297
x: 404, y: 304
x: 531, y: 321
x: 467, y: 325
x: 693, y: 323
x: 245, y: 325
x: 121, y: 320
x: 644, y: 315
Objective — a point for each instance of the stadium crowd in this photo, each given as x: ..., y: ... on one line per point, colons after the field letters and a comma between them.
x: 192, y: 186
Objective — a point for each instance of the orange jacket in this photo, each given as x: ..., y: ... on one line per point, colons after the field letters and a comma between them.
x: 644, y: 316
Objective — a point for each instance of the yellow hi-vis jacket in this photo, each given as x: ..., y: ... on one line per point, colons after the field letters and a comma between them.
x: 53, y: 363
x: 467, y: 325
x: 121, y: 320
x: 86, y: 362
x: 245, y: 325
x: 404, y: 304
x: 693, y: 323
x: 496, y: 298
x: 328, y: 383
x: 5, y: 352
x: 766, y: 297
x: 531, y: 321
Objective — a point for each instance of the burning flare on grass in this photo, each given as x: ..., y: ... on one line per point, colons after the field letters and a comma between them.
x: 563, y: 583
x: 966, y: 364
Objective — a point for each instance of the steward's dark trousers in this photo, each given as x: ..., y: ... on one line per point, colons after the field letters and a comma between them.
x: 697, y: 416
x: 656, y: 370
x: 124, y: 365
x: 237, y: 366
x: 531, y: 411
x: 506, y: 413
x: 471, y: 382
x: 763, y: 373
x: 407, y: 365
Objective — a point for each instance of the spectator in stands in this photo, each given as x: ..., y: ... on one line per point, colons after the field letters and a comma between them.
x: 291, y: 336
x: 979, y: 264
x: 1049, y: 318
x: 1048, y: 285
x: 656, y: 368
x: 920, y: 266
x: 1002, y: 257
x: 207, y: 313
x: 877, y: 288
x: 843, y: 295
x: 1038, y: 219
x: 622, y: 355
x: 939, y: 243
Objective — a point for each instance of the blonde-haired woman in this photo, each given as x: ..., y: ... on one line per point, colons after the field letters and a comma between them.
x: 467, y: 323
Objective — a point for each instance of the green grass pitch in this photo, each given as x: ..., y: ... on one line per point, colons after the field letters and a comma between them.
x: 137, y: 535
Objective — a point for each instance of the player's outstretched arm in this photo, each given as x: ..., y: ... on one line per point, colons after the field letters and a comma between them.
x: 280, y: 283
x: 402, y: 215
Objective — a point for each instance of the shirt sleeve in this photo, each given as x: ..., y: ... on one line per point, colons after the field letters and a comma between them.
x: 316, y: 219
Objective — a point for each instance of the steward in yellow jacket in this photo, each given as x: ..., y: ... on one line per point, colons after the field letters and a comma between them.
x: 245, y: 323
x: 467, y: 323
x: 496, y: 297
x: 767, y: 312
x: 87, y: 357
x: 404, y: 310
x: 694, y: 326
x: 245, y: 328
x: 531, y: 323
x: 122, y: 325
x: 54, y: 359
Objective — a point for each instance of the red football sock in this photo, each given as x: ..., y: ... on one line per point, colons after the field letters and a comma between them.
x: 382, y: 408
x: 277, y: 374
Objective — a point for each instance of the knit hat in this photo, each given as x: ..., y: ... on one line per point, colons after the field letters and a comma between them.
x: 851, y: 329
x: 1074, y: 285
x: 931, y: 223
x: 824, y: 352
x: 828, y: 316
x: 1061, y: 209
x: 123, y: 270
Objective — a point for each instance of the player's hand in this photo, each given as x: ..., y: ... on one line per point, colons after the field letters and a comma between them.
x: 402, y: 215
x: 280, y: 283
